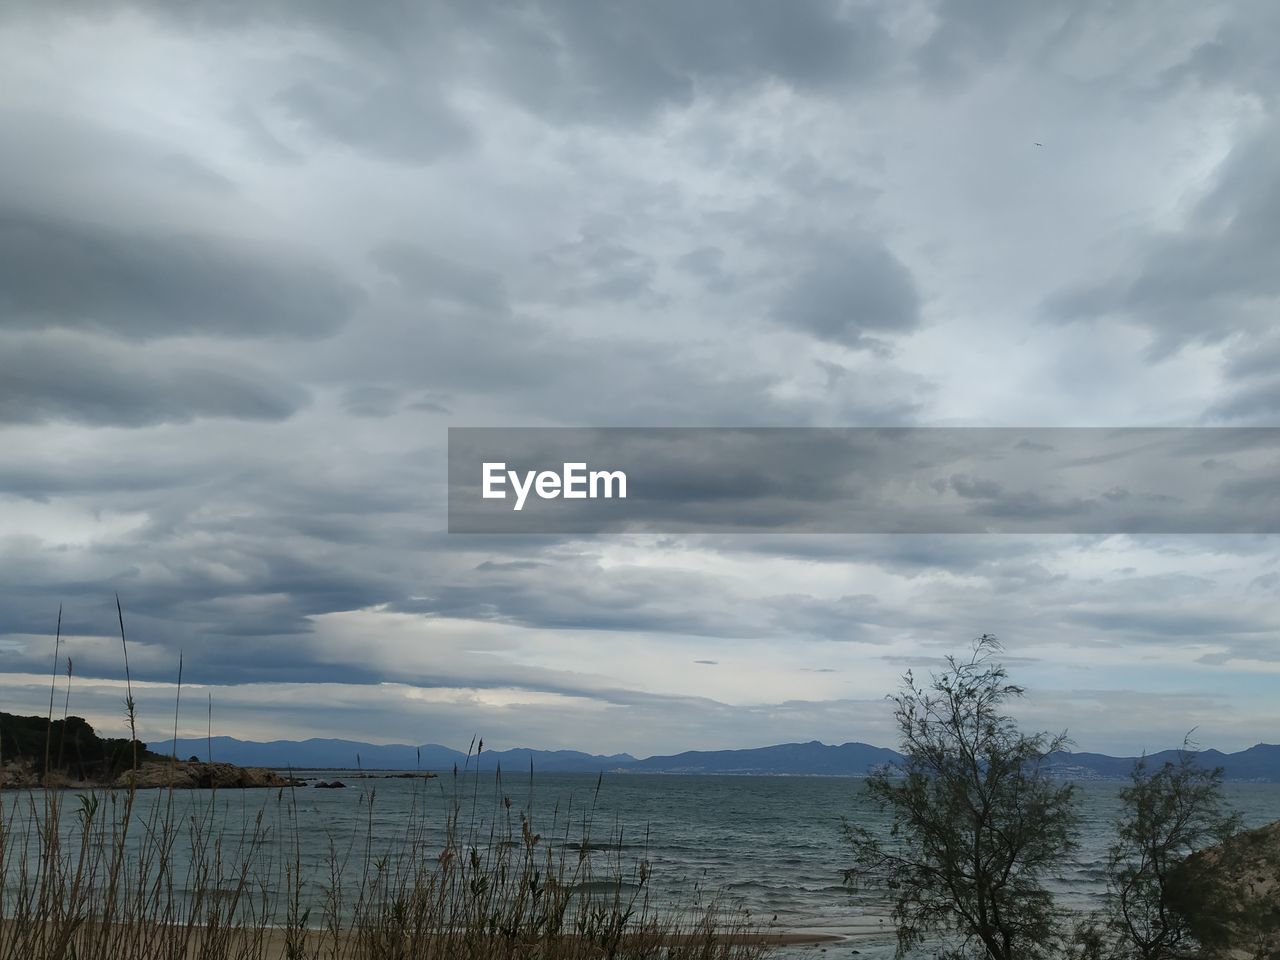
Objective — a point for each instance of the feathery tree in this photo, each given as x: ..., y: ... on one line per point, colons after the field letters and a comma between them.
x: 977, y: 823
x: 1168, y: 813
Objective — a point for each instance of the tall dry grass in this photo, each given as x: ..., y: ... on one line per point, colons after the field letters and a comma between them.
x: 122, y: 874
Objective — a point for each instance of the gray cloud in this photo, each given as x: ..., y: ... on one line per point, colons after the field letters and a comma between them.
x: 1238, y: 54
x: 370, y: 401
x: 80, y: 380
x: 46, y: 150
x: 142, y: 284
x: 850, y: 292
x: 601, y: 267
x: 461, y: 350
x: 1258, y: 402
x: 970, y: 35
x: 605, y: 63
x: 625, y: 62
x: 400, y: 122
x: 1213, y: 278
x: 436, y: 278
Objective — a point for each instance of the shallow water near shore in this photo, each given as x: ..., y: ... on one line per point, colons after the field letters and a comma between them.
x: 769, y: 845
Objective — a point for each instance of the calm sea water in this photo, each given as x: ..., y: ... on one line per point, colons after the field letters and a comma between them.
x: 771, y: 845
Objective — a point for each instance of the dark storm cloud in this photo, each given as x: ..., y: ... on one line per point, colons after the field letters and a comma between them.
x: 272, y: 556
x: 548, y: 376
x: 1254, y: 395
x: 609, y: 62
x: 1257, y: 402
x: 93, y: 382
x: 850, y: 292
x: 240, y: 609
x: 45, y: 482
x: 226, y: 543
x: 136, y: 283
x: 229, y: 661
x: 1212, y: 278
x: 616, y: 61
x: 619, y: 60
x: 1257, y: 358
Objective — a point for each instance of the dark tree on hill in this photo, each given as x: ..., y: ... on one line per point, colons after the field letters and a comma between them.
x: 71, y: 746
x: 976, y: 822
x: 1167, y: 814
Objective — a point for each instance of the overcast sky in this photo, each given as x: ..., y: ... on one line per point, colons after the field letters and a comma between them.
x: 257, y: 255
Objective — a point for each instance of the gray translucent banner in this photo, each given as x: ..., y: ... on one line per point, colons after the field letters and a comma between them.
x: 864, y: 480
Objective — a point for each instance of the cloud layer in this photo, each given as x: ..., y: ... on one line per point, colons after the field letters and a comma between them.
x: 256, y: 257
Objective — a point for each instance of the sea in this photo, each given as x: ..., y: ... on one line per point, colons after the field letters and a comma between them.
x: 770, y: 846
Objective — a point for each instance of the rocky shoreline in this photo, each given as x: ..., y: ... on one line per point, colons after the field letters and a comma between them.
x: 1231, y: 895
x: 199, y: 775
x: 151, y: 775
x: 155, y: 774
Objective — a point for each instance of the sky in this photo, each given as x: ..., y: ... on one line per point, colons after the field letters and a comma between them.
x: 257, y: 257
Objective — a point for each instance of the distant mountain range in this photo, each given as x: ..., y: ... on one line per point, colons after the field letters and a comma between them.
x: 813, y: 758
x: 349, y: 754
x: 1260, y: 763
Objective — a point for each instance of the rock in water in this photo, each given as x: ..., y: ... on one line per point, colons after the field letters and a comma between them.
x: 185, y: 775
